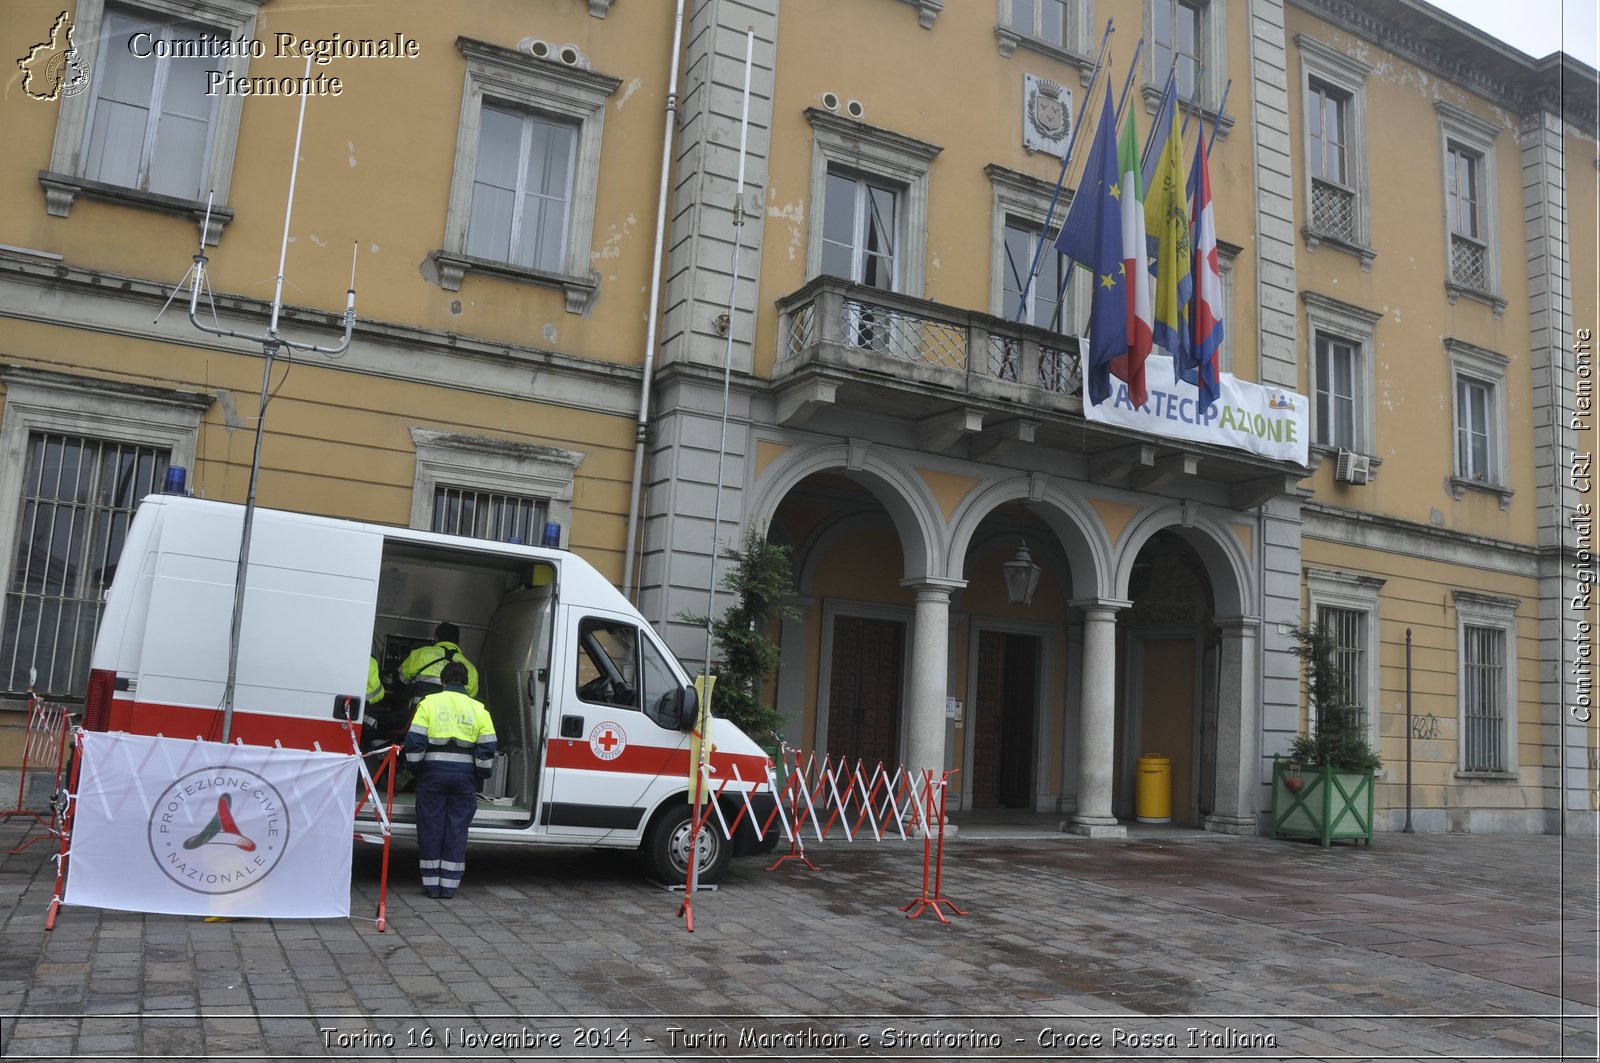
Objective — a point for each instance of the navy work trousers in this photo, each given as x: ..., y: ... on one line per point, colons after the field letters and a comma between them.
x: 446, y: 801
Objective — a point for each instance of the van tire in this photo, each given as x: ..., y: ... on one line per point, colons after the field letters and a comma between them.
x: 666, y: 848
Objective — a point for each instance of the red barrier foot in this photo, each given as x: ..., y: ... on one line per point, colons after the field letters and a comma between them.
x: 802, y: 857
x: 917, y: 906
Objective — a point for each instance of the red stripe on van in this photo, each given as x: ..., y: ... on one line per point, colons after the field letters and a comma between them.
x: 252, y: 728
x: 636, y: 759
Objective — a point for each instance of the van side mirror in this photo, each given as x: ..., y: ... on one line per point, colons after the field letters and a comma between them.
x: 675, y: 710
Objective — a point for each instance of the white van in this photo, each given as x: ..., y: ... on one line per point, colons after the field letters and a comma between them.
x: 591, y: 711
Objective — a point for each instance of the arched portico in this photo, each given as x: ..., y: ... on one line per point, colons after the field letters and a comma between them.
x: 914, y: 514
x: 1228, y: 742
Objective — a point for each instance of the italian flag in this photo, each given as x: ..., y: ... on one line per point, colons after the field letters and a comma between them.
x: 1129, y: 367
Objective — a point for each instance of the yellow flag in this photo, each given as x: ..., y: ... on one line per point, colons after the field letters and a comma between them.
x: 1166, y: 220
x: 700, y: 744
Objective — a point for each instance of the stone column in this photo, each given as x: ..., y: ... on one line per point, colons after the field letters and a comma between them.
x: 1238, y: 764
x: 1068, y: 801
x: 1097, y: 720
x: 930, y: 669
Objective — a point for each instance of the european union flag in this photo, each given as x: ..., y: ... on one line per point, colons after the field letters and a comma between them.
x: 1091, y: 235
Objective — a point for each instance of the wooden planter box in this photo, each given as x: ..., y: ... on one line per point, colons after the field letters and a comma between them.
x: 1329, y: 804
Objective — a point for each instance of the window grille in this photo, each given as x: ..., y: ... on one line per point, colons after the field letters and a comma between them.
x: 1333, y: 210
x: 1469, y: 263
x: 1349, y: 652
x: 1483, y: 699
x: 78, y: 496
x: 487, y: 515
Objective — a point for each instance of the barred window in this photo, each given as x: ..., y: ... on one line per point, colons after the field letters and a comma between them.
x: 78, y: 496
x: 1349, y: 652
x: 487, y: 515
x: 1483, y: 697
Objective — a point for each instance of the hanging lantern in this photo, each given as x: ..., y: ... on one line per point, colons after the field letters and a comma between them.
x: 1022, y: 576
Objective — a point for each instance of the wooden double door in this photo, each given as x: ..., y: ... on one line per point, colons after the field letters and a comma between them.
x: 864, y: 690
x: 1003, y: 720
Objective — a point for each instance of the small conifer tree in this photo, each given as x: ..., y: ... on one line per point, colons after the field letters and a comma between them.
x: 1338, y: 738
x: 761, y: 579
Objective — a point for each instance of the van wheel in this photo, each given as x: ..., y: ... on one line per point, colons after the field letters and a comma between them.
x: 666, y: 849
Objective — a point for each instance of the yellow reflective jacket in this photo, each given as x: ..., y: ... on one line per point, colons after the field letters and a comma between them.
x: 374, y: 682
x: 451, y: 732
x: 429, y: 661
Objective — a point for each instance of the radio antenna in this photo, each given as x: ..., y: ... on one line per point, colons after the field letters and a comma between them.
x: 271, y: 342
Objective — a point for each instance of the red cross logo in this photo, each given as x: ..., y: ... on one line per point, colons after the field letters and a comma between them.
x: 607, y: 740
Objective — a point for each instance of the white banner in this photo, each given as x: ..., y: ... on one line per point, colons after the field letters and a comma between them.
x: 201, y: 828
x: 1268, y: 421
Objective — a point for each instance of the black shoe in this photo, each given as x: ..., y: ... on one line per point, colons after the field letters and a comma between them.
x: 446, y: 894
x: 431, y: 891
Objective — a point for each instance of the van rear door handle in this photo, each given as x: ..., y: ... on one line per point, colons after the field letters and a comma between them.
x: 572, y: 727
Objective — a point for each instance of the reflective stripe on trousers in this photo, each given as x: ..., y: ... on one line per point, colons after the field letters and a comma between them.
x: 446, y: 802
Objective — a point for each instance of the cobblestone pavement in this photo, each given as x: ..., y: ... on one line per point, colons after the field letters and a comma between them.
x: 1171, y: 944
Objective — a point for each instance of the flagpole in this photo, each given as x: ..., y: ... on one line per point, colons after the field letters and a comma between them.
x: 1127, y: 82
x: 1222, y: 109
x: 1050, y: 212
x: 1122, y: 101
x: 1194, y: 105
x: 1161, y: 111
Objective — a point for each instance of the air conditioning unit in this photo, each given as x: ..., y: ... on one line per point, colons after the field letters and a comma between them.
x: 1352, y: 468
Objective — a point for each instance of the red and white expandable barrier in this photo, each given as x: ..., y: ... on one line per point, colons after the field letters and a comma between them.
x: 817, y: 795
x: 43, y: 749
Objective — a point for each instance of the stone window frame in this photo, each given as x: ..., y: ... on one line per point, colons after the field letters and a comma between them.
x: 1020, y: 196
x: 1477, y: 135
x: 1478, y: 610
x: 1076, y: 48
x: 1213, y: 40
x: 852, y: 146
x: 1488, y: 368
x: 63, y: 182
x: 1362, y: 594
x: 1355, y: 325
x: 552, y: 89
x: 503, y: 466
x: 1226, y: 255
x: 39, y: 400
x: 1347, y: 75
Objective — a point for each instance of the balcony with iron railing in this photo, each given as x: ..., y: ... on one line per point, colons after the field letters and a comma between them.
x: 931, y: 357
x: 858, y: 361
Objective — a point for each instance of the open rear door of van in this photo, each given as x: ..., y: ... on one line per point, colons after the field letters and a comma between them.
x: 307, y: 626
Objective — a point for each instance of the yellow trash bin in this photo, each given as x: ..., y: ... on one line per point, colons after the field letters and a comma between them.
x: 1153, y: 797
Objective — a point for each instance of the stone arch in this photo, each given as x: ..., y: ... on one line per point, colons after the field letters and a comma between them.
x: 903, y: 495
x: 810, y: 551
x: 1233, y: 582
x: 1077, y: 529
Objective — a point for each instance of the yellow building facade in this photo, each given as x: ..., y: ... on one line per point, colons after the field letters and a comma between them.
x: 570, y: 312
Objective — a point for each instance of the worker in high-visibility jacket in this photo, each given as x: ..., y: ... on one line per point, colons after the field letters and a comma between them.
x: 424, y: 665
x: 374, y: 682
x: 450, y: 746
